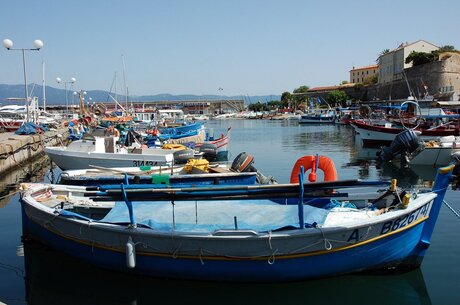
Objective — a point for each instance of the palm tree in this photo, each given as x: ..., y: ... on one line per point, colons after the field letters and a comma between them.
x: 386, y: 51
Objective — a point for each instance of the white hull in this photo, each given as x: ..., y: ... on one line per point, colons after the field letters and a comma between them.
x: 373, y: 136
x: 435, y: 156
x: 67, y: 160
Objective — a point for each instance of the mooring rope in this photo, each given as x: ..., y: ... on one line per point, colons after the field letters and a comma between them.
x: 452, y: 209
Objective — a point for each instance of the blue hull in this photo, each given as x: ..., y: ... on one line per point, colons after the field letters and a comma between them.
x: 184, y: 180
x: 399, y: 251
x: 316, y: 120
x: 397, y: 242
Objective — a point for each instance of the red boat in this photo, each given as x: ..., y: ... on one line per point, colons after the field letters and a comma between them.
x: 384, y: 134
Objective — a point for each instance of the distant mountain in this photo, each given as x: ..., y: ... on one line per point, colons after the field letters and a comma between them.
x: 55, y: 96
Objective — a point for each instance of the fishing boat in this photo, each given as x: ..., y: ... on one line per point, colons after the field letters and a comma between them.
x: 319, y: 116
x: 378, y: 134
x: 179, y: 132
x: 251, y: 233
x: 195, y: 172
x: 106, y: 152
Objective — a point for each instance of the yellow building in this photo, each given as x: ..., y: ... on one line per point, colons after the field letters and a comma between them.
x: 360, y: 74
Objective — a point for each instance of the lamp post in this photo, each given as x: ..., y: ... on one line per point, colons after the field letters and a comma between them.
x: 221, y: 99
x: 72, y: 81
x: 38, y: 44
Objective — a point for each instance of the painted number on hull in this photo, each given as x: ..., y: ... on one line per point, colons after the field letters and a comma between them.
x: 404, y: 221
x: 144, y: 163
x: 393, y: 225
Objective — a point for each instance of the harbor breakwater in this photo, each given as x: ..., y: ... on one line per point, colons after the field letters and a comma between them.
x: 17, y: 149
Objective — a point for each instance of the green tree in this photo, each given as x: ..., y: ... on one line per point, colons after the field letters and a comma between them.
x: 299, y: 99
x: 371, y: 80
x: 337, y: 98
x: 420, y: 58
x: 447, y: 48
x: 272, y: 105
x: 286, y: 98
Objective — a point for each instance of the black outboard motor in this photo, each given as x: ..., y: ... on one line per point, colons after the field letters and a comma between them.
x: 405, y: 143
x: 209, y: 151
x: 182, y: 156
x: 243, y: 163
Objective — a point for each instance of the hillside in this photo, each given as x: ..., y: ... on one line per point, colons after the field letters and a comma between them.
x: 55, y: 96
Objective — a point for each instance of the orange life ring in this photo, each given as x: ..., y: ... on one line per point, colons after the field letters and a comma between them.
x: 309, y: 162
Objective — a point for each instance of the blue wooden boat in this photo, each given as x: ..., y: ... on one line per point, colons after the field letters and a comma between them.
x: 180, y: 131
x: 238, y: 233
x: 318, y: 118
x: 177, y: 179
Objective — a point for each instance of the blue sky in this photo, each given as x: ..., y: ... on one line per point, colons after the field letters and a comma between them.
x: 246, y: 47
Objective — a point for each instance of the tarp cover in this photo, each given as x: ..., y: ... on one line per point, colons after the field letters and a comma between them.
x: 208, y: 216
x: 27, y: 128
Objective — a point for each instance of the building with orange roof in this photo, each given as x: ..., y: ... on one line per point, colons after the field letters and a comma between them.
x: 360, y: 74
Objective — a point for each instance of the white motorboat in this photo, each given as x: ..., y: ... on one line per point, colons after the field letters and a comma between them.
x: 105, y: 152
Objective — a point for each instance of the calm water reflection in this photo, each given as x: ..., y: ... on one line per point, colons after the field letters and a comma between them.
x: 43, y: 276
x: 58, y: 279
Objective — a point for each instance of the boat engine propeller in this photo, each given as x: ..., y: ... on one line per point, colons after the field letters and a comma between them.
x: 244, y: 163
x: 404, y: 144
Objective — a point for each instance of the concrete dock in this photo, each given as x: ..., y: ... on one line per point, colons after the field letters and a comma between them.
x: 15, y: 149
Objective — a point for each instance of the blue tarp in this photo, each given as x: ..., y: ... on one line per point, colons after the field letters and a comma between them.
x: 27, y: 129
x: 208, y: 216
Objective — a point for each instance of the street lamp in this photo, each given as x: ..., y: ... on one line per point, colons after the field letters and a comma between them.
x: 72, y: 81
x: 38, y: 44
x: 221, y: 99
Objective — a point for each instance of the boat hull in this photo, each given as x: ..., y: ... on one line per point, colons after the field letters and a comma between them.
x: 396, y: 252
x: 395, y: 242
x: 68, y: 160
x: 304, y: 119
x: 374, y: 134
x: 176, y: 180
x: 435, y: 156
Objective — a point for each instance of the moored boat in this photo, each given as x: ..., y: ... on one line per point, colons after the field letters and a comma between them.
x: 376, y: 134
x: 238, y: 233
x: 318, y: 117
x: 105, y: 152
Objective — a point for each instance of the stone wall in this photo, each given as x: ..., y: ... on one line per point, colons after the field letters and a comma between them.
x: 15, y: 150
x: 439, y: 79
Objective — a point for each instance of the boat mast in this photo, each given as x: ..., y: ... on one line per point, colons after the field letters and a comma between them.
x: 43, y: 86
x: 124, y: 81
x: 116, y: 93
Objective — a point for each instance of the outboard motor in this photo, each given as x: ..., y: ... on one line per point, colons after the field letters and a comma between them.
x: 405, y: 143
x: 243, y: 163
x: 183, y: 155
x: 209, y: 151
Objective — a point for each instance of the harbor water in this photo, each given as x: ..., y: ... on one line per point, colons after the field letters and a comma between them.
x: 33, y: 274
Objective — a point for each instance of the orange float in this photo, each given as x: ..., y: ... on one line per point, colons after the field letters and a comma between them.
x: 309, y: 162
